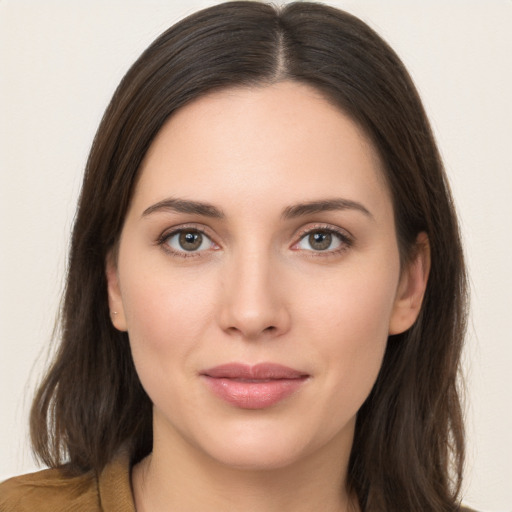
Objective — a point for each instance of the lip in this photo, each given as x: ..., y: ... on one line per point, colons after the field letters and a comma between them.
x: 253, y: 387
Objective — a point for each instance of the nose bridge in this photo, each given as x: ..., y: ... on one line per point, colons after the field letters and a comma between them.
x: 252, y: 303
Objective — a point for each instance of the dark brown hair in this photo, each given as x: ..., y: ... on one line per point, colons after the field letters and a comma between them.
x: 409, y: 442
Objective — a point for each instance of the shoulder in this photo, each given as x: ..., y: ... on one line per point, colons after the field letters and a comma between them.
x: 54, y: 490
x: 50, y: 490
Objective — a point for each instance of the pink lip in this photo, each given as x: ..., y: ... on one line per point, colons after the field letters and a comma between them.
x: 253, y: 387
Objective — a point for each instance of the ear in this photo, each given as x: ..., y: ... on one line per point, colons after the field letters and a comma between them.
x: 115, y: 301
x: 411, y: 288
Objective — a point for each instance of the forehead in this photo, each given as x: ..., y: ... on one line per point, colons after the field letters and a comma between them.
x: 261, y: 145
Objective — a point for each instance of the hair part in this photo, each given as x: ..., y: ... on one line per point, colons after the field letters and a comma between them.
x: 409, y: 443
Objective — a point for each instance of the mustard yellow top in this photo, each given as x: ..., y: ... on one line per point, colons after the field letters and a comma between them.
x: 52, y: 491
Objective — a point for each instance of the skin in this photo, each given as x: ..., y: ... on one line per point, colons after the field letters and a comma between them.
x: 256, y: 291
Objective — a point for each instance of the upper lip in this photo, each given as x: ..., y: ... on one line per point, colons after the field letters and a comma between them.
x: 261, y: 371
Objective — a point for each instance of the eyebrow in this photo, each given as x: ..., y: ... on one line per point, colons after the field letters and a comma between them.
x: 290, y: 212
x: 301, y: 209
x: 185, y: 206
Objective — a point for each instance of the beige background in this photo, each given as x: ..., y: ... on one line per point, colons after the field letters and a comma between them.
x: 59, y: 64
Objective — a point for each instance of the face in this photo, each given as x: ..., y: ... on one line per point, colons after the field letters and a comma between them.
x: 258, y: 276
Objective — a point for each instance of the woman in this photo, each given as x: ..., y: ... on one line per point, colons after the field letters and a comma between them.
x: 265, y: 304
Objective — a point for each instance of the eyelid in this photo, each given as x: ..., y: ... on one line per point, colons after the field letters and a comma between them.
x: 346, y: 238
x: 169, y: 232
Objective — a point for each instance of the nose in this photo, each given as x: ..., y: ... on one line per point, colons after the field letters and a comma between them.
x: 254, y: 303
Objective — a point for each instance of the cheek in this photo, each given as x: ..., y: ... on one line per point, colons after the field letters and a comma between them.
x: 355, y: 302
x: 167, y: 313
x: 167, y: 317
x: 351, y: 321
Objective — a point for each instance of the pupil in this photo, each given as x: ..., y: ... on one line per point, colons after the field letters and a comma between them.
x: 190, y: 241
x: 320, y: 240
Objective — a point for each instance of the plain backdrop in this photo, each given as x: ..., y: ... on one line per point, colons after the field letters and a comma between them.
x: 59, y: 64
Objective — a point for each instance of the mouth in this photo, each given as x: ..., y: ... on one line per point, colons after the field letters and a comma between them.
x: 253, y: 387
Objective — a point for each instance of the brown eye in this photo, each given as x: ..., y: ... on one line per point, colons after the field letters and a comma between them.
x: 323, y: 240
x: 190, y: 240
x: 320, y: 240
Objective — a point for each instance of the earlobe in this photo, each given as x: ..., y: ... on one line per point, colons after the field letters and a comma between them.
x: 115, y: 302
x: 411, y: 288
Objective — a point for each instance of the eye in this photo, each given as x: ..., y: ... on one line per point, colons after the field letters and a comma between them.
x: 188, y: 240
x: 323, y: 240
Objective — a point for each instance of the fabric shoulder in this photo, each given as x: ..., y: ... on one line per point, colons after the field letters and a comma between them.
x: 50, y: 490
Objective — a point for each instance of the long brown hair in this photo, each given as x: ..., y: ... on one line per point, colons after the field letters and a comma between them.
x: 409, y: 441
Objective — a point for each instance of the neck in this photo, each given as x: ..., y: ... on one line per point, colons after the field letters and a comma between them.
x: 180, y: 477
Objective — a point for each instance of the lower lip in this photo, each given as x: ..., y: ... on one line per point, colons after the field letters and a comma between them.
x: 253, y: 394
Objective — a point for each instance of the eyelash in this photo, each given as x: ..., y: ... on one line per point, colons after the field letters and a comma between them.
x: 164, y: 238
x: 345, y: 240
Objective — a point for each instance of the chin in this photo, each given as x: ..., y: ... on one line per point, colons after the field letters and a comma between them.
x: 257, y: 458
x: 269, y: 447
